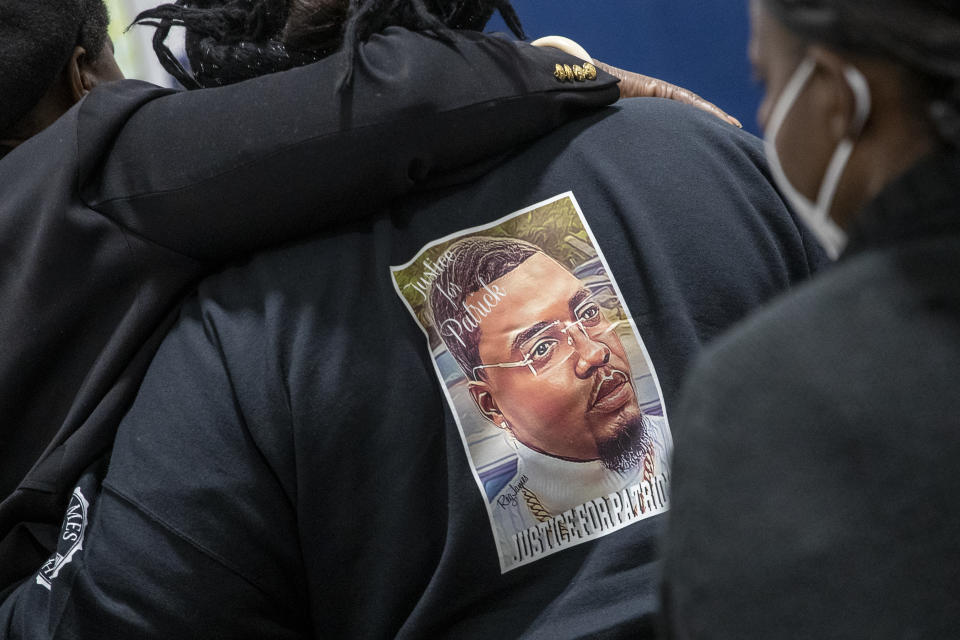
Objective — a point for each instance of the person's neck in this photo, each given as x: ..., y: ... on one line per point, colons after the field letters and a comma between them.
x: 23, y: 131
x: 558, y: 457
x: 900, y: 154
x: 921, y: 203
x: 54, y: 103
x: 896, y: 141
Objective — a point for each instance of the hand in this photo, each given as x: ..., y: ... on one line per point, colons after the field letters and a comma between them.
x: 635, y: 85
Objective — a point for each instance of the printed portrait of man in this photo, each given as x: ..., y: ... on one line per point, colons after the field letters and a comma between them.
x: 545, y: 364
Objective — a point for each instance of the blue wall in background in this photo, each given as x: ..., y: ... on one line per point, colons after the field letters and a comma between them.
x: 700, y: 45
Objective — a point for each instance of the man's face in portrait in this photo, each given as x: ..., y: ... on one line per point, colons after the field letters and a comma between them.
x: 567, y: 389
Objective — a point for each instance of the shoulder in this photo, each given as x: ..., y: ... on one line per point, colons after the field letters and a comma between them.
x: 107, y: 107
x: 797, y: 327
x: 100, y: 116
x: 819, y: 351
x: 670, y: 129
x: 821, y: 433
x: 859, y: 293
x: 124, y: 92
x: 690, y: 170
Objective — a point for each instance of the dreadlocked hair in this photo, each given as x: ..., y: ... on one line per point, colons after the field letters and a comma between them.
x: 36, y: 42
x: 226, y: 42
x: 923, y: 36
x: 232, y: 40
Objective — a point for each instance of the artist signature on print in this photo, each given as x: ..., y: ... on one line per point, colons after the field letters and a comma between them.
x: 509, y: 498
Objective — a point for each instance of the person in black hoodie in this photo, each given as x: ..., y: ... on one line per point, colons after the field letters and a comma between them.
x: 118, y: 195
x: 816, y: 482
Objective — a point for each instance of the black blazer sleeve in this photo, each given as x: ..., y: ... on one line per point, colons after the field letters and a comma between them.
x: 217, y: 172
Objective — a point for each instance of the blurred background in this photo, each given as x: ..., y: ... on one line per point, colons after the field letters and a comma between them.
x: 698, y: 44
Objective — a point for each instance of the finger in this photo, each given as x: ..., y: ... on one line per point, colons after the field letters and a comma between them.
x: 686, y: 96
x: 636, y: 85
x: 689, y: 97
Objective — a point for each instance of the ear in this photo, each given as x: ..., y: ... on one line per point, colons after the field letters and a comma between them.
x: 846, y: 114
x: 483, y: 397
x: 82, y: 74
x: 76, y: 83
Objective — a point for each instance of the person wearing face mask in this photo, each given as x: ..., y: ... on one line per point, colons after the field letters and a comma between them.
x: 815, y: 483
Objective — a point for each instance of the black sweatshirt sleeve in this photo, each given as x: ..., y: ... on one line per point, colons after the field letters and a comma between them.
x: 218, y: 172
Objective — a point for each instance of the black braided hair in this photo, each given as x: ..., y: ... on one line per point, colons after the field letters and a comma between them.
x: 232, y: 40
x: 226, y: 41
x: 923, y: 36
x: 36, y: 42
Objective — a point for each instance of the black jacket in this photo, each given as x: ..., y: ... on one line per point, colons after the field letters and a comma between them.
x: 816, y: 480
x: 292, y: 468
x: 110, y: 214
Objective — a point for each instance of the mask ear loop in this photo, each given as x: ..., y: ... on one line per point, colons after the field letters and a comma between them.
x: 780, y: 112
x: 789, y: 96
x: 831, y: 179
x: 861, y: 95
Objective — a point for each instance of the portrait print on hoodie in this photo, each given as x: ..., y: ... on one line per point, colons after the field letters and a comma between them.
x: 553, y: 391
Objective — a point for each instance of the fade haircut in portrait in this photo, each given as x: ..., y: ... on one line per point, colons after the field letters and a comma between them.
x: 470, y: 264
x: 37, y: 39
x: 232, y: 40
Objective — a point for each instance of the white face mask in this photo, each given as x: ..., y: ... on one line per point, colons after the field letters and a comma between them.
x: 817, y: 214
